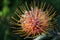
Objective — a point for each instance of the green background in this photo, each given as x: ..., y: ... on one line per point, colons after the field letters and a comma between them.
x: 7, y: 8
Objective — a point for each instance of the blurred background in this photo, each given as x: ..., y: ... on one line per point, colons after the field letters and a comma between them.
x: 7, y: 8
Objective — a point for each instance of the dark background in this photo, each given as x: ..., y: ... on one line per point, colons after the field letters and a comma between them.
x: 7, y: 8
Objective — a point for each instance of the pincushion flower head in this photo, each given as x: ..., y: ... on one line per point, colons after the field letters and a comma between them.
x: 32, y: 20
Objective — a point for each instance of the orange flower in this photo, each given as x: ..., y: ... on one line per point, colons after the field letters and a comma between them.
x: 35, y: 21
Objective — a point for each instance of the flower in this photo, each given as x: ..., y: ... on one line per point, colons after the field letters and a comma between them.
x: 34, y: 21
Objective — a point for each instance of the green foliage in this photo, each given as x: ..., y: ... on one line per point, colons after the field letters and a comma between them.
x: 8, y: 9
